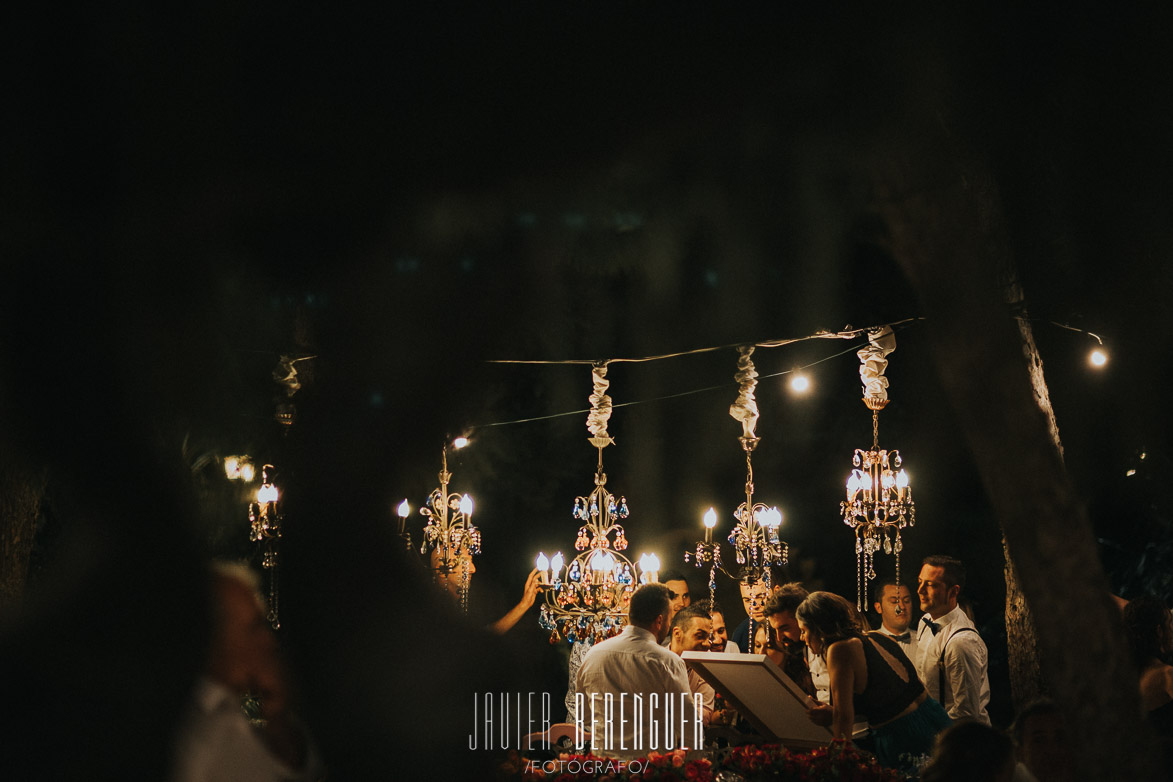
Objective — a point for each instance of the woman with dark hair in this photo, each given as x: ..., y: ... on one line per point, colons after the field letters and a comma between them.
x: 1150, y: 637
x: 870, y: 675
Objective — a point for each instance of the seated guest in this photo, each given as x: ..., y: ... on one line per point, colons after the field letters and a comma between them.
x: 871, y: 675
x: 1042, y: 745
x: 215, y: 740
x: 651, y: 704
x: 1150, y: 637
x: 779, y: 613
x: 691, y: 630
x: 719, y: 642
x: 764, y: 643
x: 971, y: 751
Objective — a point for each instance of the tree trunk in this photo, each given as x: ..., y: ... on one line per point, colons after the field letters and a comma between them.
x: 1026, y: 677
x: 20, y: 502
x: 946, y: 230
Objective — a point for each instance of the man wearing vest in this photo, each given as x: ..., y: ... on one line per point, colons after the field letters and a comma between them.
x: 951, y: 657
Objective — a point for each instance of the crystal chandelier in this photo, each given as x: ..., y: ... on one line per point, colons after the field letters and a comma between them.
x: 449, y: 530
x: 265, y: 518
x: 755, y: 536
x: 708, y: 552
x: 879, y: 500
x: 586, y: 600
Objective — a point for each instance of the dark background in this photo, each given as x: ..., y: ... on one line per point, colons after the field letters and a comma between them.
x: 192, y: 193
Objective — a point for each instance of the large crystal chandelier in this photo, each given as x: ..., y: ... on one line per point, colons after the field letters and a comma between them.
x: 449, y: 530
x: 755, y: 536
x: 586, y: 600
x: 879, y: 500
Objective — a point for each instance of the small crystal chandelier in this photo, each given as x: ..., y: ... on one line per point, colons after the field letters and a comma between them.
x: 879, y: 500
x: 755, y: 536
x: 709, y: 552
x: 586, y: 599
x: 450, y: 531
x: 265, y: 518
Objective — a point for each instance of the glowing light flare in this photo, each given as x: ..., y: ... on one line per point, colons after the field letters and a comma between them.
x: 239, y: 468
x: 267, y: 493
x: 460, y: 442
x: 1097, y: 358
x: 649, y: 565
x: 800, y: 384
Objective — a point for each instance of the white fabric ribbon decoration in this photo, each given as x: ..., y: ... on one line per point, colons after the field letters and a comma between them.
x: 745, y: 408
x: 600, y: 403
x: 873, y: 360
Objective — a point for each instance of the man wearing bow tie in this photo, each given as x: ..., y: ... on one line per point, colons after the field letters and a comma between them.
x: 894, y: 605
x: 951, y: 657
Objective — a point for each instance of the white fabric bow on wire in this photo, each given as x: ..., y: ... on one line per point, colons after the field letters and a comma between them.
x: 873, y: 361
x: 600, y: 410
x: 745, y: 408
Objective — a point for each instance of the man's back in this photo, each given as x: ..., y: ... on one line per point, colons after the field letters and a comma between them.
x: 634, y: 696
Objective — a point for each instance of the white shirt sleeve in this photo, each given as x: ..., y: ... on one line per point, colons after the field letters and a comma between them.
x: 965, y: 670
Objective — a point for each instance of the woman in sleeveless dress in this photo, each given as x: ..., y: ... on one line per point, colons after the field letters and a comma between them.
x: 870, y: 675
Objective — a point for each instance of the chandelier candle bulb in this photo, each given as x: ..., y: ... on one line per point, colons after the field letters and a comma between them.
x: 556, y: 568
x: 710, y: 522
x: 598, y: 567
x: 649, y: 565
x: 543, y: 566
x: 402, y: 511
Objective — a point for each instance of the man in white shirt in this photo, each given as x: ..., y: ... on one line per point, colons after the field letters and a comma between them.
x: 719, y: 640
x: 691, y: 632
x: 215, y: 741
x: 951, y: 656
x: 894, y: 605
x: 631, y: 693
